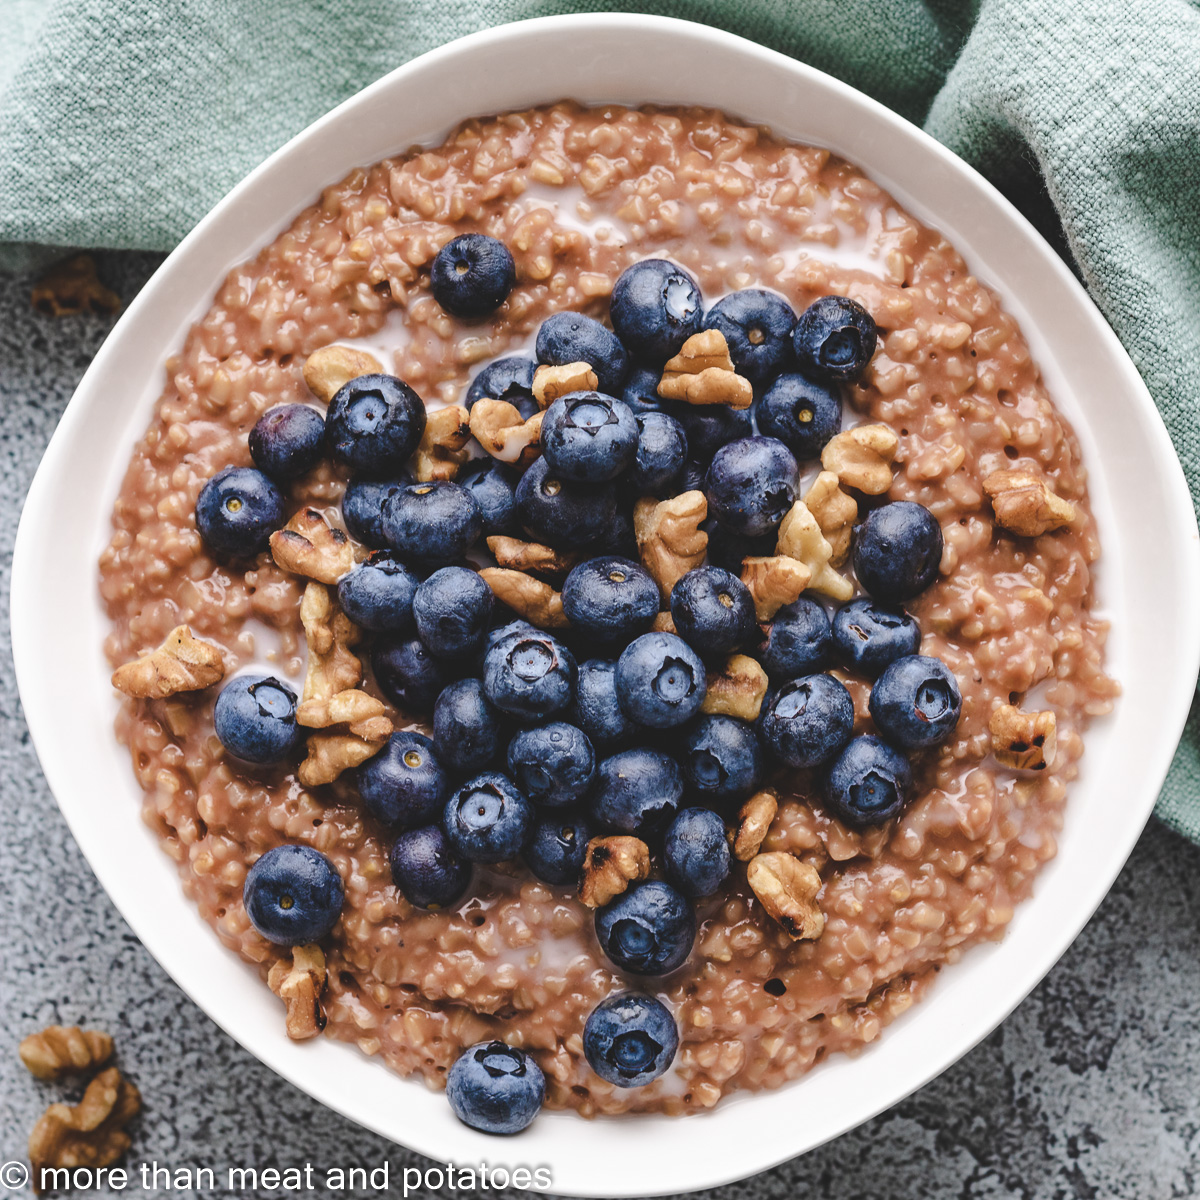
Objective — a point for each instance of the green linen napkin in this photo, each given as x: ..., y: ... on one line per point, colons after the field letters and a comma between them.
x: 123, y: 121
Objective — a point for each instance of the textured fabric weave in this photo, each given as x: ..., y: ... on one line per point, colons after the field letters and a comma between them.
x: 123, y: 121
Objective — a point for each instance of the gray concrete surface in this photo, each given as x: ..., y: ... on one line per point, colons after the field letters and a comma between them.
x: 1087, y: 1091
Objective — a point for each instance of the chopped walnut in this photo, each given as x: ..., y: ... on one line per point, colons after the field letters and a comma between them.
x: 443, y: 446
x: 754, y: 820
x: 308, y: 545
x: 299, y: 984
x: 60, y: 1050
x: 549, y: 383
x: 516, y: 555
x: 670, y: 540
x: 350, y: 707
x: 800, y: 537
x: 530, y: 598
x: 330, y: 368
x: 774, y: 582
x: 329, y: 754
x: 329, y: 634
x: 71, y: 287
x: 862, y: 458
x: 182, y: 663
x: 835, y: 513
x: 737, y: 689
x: 1023, y: 741
x: 664, y: 623
x: 506, y: 435
x: 610, y: 866
x: 1025, y: 504
x: 89, y: 1134
x: 787, y: 889
x: 702, y: 373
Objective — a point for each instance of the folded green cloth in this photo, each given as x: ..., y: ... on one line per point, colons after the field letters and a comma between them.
x: 123, y: 121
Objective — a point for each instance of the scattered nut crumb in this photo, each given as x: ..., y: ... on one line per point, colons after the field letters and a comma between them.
x: 63, y: 1049
x: 330, y: 368
x: 308, y: 545
x: 504, y: 434
x: 787, y: 889
x: 773, y: 582
x: 1023, y: 741
x: 754, y: 820
x: 551, y: 382
x: 835, y: 512
x: 670, y: 540
x: 71, y: 287
x: 530, y: 598
x: 862, y: 458
x: 800, y: 537
x: 611, y: 865
x: 443, y: 446
x: 329, y: 634
x: 182, y: 663
x: 737, y: 689
x: 702, y: 373
x: 1025, y: 504
x: 516, y: 555
x: 299, y: 984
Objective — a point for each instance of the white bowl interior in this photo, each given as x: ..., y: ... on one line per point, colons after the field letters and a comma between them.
x: 1151, y: 569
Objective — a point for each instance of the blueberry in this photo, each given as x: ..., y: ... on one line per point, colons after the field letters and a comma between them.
x: 557, y: 847
x: 362, y: 509
x: 237, y: 511
x: 466, y: 728
x: 509, y: 379
x: 589, y: 437
x: 619, y: 538
x: 427, y: 868
x: 802, y: 414
x: 661, y: 681
x: 287, y: 440
x: 637, y: 791
x: 868, y: 783
x: 868, y: 635
x: 648, y: 929
x: 751, y: 484
x: 530, y: 676
x: 488, y: 820
x: 493, y: 486
x: 834, y: 339
x: 405, y: 784
x: 897, y: 550
x: 708, y: 427
x: 693, y: 476
x: 727, y: 549
x: 408, y: 674
x: 696, y: 852
x: 431, y: 522
x: 799, y: 641
x: 553, y: 764
x: 916, y: 703
x: 374, y: 424
x: 713, y: 612
x: 610, y: 600
x: 497, y: 635
x: 378, y: 594
x: 255, y: 719
x: 758, y: 331
x: 721, y: 758
x: 452, y: 609
x: 569, y: 337
x: 293, y: 895
x: 563, y: 514
x: 662, y: 455
x: 656, y: 306
x: 596, y: 710
x: 641, y: 390
x: 807, y: 721
x: 630, y: 1039
x: 495, y: 1088
x: 472, y: 275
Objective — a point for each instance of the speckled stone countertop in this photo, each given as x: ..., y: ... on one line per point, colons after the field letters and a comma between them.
x: 1087, y: 1091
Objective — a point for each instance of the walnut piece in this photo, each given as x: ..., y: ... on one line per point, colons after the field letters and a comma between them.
x: 181, y: 664
x: 610, y: 866
x: 329, y: 634
x: 862, y: 458
x: 504, y: 434
x: 702, y: 373
x: 1025, y: 504
x: 89, y: 1134
x: 551, y: 382
x: 530, y: 598
x: 800, y: 537
x: 787, y: 889
x: 754, y: 820
x: 62, y: 1049
x: 516, y: 555
x: 71, y: 287
x: 773, y: 582
x: 670, y: 540
x: 329, y: 754
x: 308, y: 545
x: 835, y: 513
x: 1023, y: 741
x: 664, y: 623
x: 737, y: 689
x: 351, y: 707
x: 299, y: 984
x: 330, y: 368
x: 443, y: 446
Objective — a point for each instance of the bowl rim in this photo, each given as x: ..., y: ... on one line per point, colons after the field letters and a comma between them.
x: 641, y: 1141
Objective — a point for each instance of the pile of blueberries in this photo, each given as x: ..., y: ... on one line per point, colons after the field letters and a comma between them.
x: 544, y: 740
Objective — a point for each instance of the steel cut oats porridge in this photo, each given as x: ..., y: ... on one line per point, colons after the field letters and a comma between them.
x: 578, y: 195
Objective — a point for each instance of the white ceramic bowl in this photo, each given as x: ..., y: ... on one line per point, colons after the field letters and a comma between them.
x: 1149, y: 585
